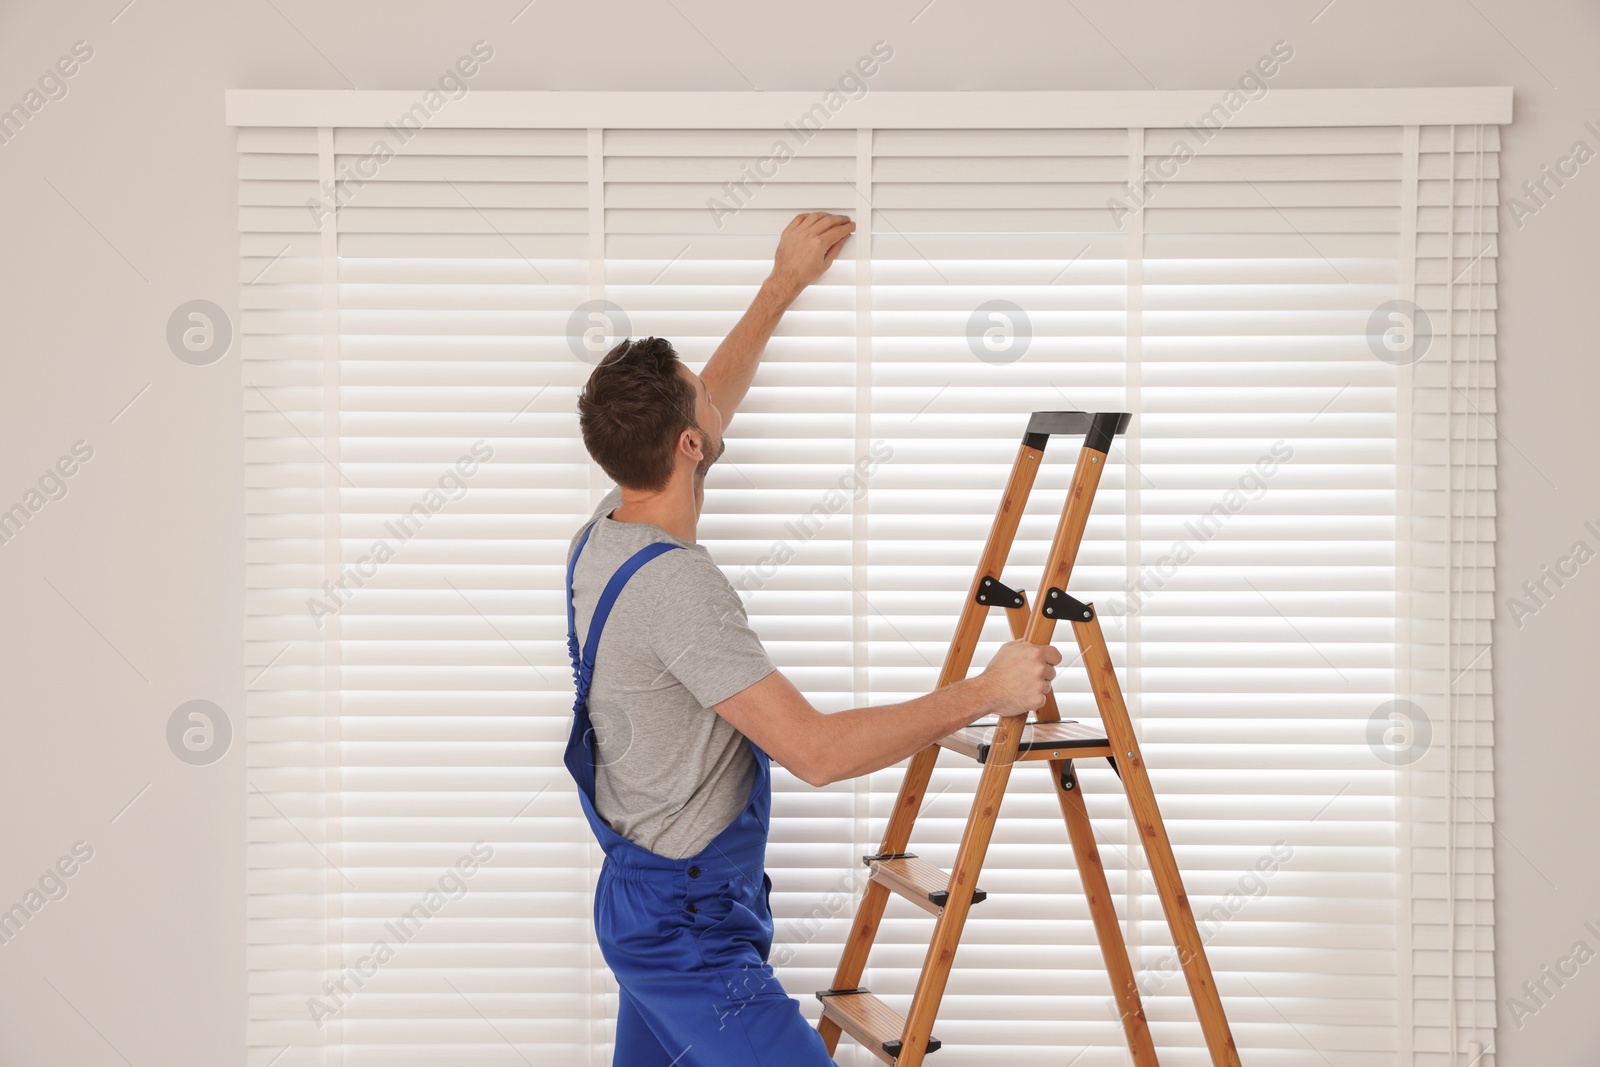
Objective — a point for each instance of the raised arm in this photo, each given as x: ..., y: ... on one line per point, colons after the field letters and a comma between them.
x: 820, y: 748
x: 806, y: 248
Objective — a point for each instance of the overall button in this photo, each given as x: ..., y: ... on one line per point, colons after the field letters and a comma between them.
x: 692, y: 909
x: 694, y: 872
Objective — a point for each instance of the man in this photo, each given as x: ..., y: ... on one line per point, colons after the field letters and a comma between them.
x: 680, y: 710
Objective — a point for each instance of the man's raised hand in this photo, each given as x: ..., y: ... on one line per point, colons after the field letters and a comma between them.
x: 807, y: 247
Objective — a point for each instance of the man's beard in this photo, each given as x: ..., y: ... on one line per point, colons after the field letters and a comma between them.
x: 709, y: 459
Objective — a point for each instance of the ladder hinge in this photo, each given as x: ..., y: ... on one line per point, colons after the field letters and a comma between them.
x: 991, y: 593
x: 1069, y: 780
x: 1060, y: 604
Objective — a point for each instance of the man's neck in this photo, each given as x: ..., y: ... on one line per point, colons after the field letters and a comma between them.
x: 676, y: 509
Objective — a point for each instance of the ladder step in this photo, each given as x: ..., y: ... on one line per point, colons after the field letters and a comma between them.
x: 917, y: 880
x: 1040, y: 741
x: 869, y: 1020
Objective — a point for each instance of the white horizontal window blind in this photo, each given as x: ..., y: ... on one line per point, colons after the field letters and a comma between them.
x: 1292, y: 548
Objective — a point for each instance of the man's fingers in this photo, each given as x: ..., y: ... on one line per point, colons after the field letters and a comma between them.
x: 818, y: 221
x: 838, y: 231
x: 833, y: 240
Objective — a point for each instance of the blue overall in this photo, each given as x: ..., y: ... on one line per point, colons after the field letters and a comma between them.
x: 687, y: 939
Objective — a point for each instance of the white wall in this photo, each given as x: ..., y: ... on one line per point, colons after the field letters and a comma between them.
x: 123, y: 599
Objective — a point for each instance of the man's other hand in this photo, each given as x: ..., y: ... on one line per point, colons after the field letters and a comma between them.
x: 1021, y: 673
x: 807, y: 247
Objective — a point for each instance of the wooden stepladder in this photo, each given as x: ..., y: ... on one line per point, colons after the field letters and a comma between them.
x: 905, y: 1041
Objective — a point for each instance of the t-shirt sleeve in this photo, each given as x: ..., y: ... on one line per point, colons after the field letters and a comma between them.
x: 704, y: 638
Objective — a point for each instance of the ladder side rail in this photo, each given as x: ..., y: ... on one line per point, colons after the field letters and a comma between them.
x: 1069, y: 537
x: 1096, y: 890
x: 958, y: 659
x: 963, y: 877
x: 969, y: 629
x: 1158, y: 847
x: 997, y: 768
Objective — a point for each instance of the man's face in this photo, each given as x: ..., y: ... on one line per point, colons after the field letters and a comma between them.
x: 708, y: 418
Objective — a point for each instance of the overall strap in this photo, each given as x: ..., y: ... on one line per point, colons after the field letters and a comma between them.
x: 583, y: 666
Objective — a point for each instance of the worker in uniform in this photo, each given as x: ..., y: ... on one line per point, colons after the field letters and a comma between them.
x: 680, y: 711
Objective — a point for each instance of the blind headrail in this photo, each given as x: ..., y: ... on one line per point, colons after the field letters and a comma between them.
x: 878, y: 109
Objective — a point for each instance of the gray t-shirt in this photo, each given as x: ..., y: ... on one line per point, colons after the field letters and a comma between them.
x: 670, y: 772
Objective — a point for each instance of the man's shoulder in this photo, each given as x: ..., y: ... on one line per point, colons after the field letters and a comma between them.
x: 608, y: 503
x: 684, y: 572
x: 692, y: 568
x: 675, y: 588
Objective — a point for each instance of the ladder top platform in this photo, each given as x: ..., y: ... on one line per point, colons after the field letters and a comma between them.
x: 1040, y: 740
x: 1097, y: 429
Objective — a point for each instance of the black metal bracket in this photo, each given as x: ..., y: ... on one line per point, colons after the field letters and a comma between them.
x: 888, y: 856
x: 941, y: 897
x: 1060, y: 604
x: 992, y: 592
x: 893, y: 1047
x: 1069, y: 778
x: 1098, y: 429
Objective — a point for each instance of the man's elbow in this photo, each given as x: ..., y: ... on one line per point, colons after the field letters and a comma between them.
x: 817, y: 775
x: 812, y: 768
x: 818, y: 764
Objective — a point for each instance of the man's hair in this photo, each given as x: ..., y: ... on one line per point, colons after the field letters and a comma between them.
x: 632, y: 410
